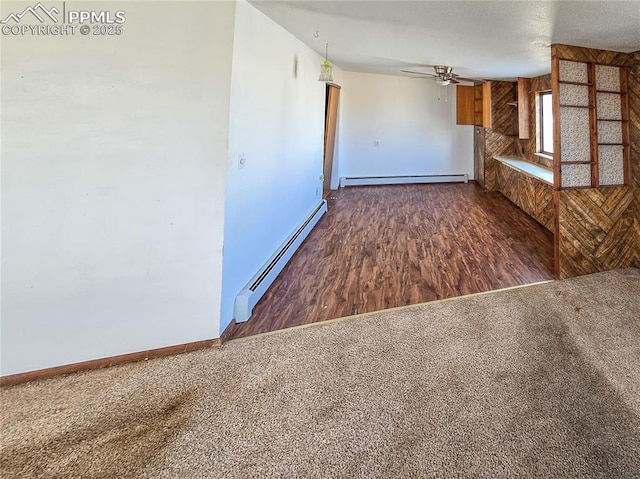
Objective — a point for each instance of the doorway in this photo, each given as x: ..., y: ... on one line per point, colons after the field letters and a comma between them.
x: 330, y: 121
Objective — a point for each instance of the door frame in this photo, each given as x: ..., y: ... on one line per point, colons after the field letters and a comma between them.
x: 332, y: 103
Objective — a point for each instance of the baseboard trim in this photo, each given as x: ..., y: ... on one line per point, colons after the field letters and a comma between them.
x: 19, y: 378
x: 402, y: 179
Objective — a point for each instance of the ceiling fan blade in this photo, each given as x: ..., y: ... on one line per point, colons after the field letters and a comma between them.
x: 445, y: 74
x: 417, y: 73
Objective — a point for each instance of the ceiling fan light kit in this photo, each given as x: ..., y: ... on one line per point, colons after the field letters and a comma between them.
x: 443, y: 75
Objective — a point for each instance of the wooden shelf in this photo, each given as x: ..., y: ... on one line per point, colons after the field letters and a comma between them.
x: 574, y: 83
x: 563, y: 105
x: 577, y: 187
x: 577, y: 162
x: 610, y: 91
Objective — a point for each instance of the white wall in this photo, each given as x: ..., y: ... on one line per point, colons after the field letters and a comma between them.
x: 416, y: 133
x: 277, y: 123
x: 114, y: 154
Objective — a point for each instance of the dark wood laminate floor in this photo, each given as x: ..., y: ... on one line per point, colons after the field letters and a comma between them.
x: 386, y: 246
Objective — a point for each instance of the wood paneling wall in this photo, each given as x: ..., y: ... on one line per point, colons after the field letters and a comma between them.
x: 532, y: 195
x: 528, y: 148
x: 596, y: 230
x: 500, y: 139
x: 581, y: 54
x: 599, y: 228
x: 634, y: 143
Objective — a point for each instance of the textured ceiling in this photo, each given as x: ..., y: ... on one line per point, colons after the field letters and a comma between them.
x: 480, y: 39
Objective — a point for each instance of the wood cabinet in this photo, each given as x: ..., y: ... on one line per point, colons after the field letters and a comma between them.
x: 464, y: 105
x: 486, y: 105
x: 524, y: 106
x: 477, y: 104
x: 473, y: 105
x: 527, y: 191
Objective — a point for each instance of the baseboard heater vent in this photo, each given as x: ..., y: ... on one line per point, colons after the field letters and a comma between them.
x: 258, y: 285
x: 399, y: 180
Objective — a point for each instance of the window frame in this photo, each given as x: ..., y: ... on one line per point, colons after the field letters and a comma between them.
x: 540, y: 122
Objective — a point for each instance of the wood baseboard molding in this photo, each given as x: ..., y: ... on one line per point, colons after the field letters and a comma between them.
x: 19, y: 378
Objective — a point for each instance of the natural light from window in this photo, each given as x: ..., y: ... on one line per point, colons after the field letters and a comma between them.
x: 545, y: 116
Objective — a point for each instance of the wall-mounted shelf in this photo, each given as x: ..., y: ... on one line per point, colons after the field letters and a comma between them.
x: 597, y: 128
x: 574, y: 83
x: 563, y: 105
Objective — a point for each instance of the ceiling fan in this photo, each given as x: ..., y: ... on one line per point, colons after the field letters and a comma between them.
x: 443, y: 75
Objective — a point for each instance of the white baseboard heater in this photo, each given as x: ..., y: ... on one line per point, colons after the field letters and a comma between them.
x: 258, y: 285
x: 399, y: 180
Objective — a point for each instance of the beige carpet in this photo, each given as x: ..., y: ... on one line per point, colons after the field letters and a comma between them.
x: 541, y: 381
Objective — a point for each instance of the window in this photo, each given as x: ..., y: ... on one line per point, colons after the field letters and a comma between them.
x: 545, y: 123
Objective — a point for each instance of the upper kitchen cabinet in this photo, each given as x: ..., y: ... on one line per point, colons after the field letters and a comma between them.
x: 464, y: 105
x: 487, y: 117
x: 473, y: 105
x: 524, y: 112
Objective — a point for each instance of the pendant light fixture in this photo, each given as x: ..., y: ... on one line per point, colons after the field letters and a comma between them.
x: 326, y: 70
